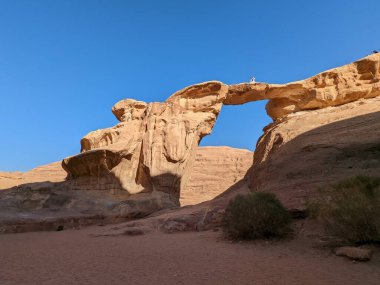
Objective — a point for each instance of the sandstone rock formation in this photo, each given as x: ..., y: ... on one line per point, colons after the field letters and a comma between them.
x: 49, y: 208
x: 354, y: 253
x: 52, y: 172
x: 215, y: 169
x: 325, y: 128
x: 47, y: 205
x: 310, y: 149
x: 153, y: 146
x: 360, y: 79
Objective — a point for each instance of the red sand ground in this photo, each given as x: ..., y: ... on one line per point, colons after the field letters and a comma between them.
x: 74, y: 257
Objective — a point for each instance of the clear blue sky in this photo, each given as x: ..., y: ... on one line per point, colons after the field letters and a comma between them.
x: 64, y: 63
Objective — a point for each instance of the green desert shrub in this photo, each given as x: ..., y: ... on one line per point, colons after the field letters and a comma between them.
x: 256, y: 215
x: 350, y: 209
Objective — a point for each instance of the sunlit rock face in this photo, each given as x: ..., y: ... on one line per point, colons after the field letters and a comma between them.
x: 360, y: 79
x: 52, y: 172
x: 214, y: 171
x: 153, y: 146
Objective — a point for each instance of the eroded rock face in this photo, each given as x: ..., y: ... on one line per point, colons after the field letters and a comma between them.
x: 325, y: 128
x: 25, y: 209
x: 334, y: 87
x: 215, y: 169
x: 312, y: 149
x: 38, y: 205
x: 153, y: 146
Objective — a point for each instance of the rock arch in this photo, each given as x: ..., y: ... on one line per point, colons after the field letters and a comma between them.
x: 153, y: 146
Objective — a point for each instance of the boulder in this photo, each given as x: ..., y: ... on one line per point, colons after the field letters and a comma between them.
x: 354, y: 253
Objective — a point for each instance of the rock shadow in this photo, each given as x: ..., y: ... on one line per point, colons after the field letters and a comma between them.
x: 48, y: 205
x: 296, y: 169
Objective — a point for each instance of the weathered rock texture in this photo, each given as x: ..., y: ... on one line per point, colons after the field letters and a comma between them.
x: 47, y: 205
x: 325, y: 128
x: 154, y: 145
x: 26, y: 209
x: 311, y: 149
x: 215, y: 169
x: 152, y: 148
x: 334, y: 87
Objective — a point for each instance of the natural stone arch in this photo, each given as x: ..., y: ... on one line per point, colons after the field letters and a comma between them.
x: 154, y: 143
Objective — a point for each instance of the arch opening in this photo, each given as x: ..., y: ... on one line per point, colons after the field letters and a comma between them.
x: 224, y: 157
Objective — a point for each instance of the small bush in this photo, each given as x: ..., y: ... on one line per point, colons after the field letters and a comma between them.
x: 350, y: 209
x: 256, y: 215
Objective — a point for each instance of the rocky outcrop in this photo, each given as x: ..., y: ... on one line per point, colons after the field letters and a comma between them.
x: 311, y: 149
x: 354, y: 253
x: 154, y: 145
x: 152, y: 148
x: 48, y: 173
x: 215, y: 169
x: 360, y: 79
x: 325, y: 128
x: 55, y: 207
x: 38, y: 205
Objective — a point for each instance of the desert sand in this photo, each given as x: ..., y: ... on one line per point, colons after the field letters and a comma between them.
x: 77, y: 257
